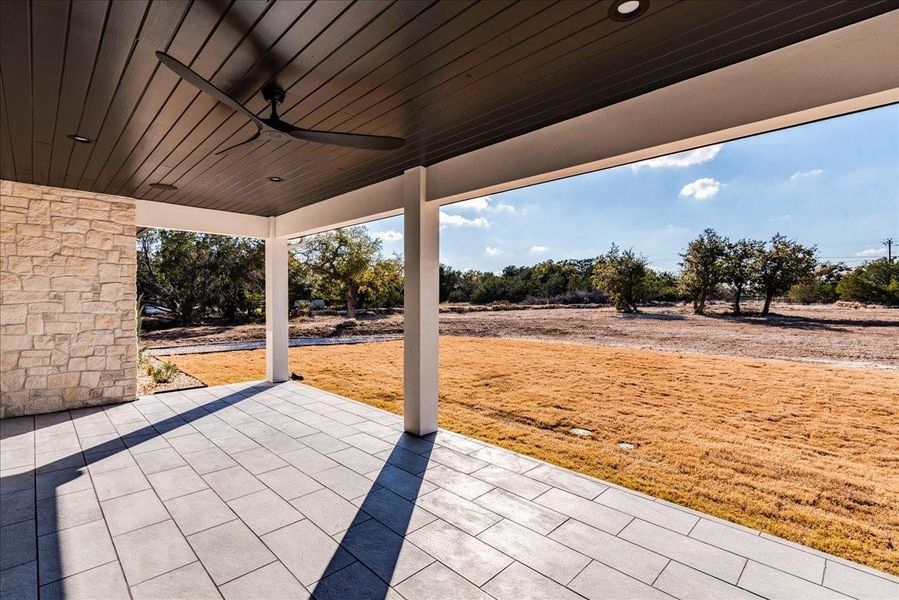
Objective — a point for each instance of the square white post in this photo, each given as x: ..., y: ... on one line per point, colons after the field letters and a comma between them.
x: 420, y: 305
x: 276, y: 315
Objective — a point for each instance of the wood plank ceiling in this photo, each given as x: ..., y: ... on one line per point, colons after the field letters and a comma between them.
x: 449, y: 76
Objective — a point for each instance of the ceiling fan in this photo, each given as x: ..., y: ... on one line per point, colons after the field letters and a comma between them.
x: 273, y: 126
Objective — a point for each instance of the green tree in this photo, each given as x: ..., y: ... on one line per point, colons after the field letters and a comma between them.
x: 382, y: 284
x: 702, y: 268
x: 450, y: 279
x: 820, y: 288
x: 662, y: 286
x: 739, y: 267
x: 623, y: 275
x: 339, y: 261
x: 876, y: 281
x: 782, y: 264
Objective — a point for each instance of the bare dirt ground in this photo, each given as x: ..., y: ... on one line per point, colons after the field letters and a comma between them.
x: 805, y: 451
x: 865, y: 337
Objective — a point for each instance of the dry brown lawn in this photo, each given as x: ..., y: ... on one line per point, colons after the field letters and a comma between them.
x: 802, y: 451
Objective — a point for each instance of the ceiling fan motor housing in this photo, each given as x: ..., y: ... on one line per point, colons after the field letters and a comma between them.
x: 272, y: 92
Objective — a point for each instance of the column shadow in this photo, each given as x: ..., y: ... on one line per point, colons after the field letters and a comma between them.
x: 377, y: 533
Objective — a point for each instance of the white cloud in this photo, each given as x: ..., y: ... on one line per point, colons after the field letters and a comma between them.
x: 799, y: 175
x: 389, y: 236
x: 460, y: 221
x: 491, y: 251
x: 475, y: 204
x: 780, y: 219
x: 539, y: 249
x: 872, y: 252
x: 704, y: 188
x: 484, y: 204
x: 681, y: 159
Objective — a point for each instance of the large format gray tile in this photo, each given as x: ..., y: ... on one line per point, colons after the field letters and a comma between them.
x: 456, y: 482
x: 648, y: 510
x: 264, y: 511
x: 271, y: 581
x: 309, y: 461
x: 599, y: 582
x: 856, y: 582
x: 693, y: 553
x: 394, y: 511
x: 776, y: 585
x: 542, y: 554
x: 67, y: 511
x: 524, y: 512
x: 127, y: 513
x: 568, y: 481
x: 151, y: 551
x: 18, y: 544
x: 176, y: 482
x: 768, y: 552
x: 437, y: 582
x: 289, y: 482
x: 233, y: 483
x: 74, y: 550
x: 120, y: 482
x: 105, y: 581
x: 346, y: 482
x: 189, y: 581
x: 464, y: 554
x: 518, y: 582
x: 505, y: 459
x: 17, y: 506
x: 687, y: 583
x: 511, y: 481
x: 307, y: 551
x: 19, y: 583
x: 589, y: 512
x: 229, y: 550
x: 387, y: 554
x: 331, y: 513
x: 209, y: 461
x: 198, y: 511
x: 259, y: 460
x: 462, y: 513
x: 629, y: 558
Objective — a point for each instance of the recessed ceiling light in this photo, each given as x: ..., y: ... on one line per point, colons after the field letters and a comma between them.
x: 163, y: 186
x: 79, y: 138
x: 625, y: 10
x: 275, y: 179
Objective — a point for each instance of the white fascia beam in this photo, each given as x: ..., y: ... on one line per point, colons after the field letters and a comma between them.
x: 843, y: 71
x: 162, y: 215
x: 377, y: 201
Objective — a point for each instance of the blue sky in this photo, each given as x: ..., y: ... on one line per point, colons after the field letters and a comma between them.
x: 834, y: 183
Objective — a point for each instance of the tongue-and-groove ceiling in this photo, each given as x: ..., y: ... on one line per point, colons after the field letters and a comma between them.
x: 449, y: 76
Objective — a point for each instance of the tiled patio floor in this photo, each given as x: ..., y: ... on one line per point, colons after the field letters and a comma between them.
x: 260, y: 491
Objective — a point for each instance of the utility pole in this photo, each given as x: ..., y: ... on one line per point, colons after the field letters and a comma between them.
x: 889, y: 244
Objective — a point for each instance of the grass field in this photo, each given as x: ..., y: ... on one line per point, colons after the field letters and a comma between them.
x: 802, y: 451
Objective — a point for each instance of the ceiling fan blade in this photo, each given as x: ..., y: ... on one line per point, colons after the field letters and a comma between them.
x: 349, y: 140
x: 185, y: 73
x: 253, y: 138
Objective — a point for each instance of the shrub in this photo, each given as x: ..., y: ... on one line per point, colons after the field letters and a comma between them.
x: 876, y: 281
x: 623, y: 275
x: 163, y: 373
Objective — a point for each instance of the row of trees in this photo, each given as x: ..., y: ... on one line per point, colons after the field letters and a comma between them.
x: 197, y: 277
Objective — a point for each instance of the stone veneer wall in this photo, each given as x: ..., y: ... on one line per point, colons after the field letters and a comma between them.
x: 67, y: 299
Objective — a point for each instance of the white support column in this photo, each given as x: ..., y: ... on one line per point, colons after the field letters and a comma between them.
x: 421, y: 300
x: 276, y: 310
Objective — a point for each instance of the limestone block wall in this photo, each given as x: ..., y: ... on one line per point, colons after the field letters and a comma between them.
x: 67, y: 299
